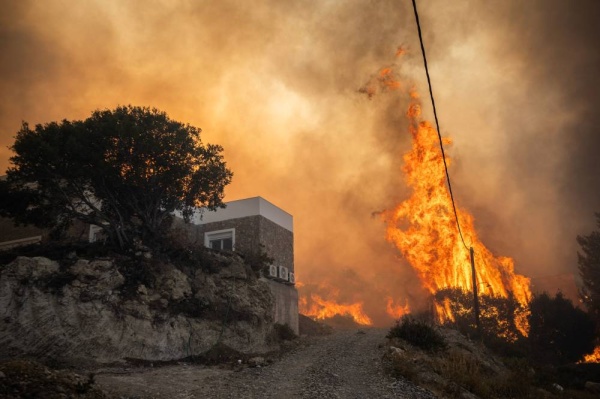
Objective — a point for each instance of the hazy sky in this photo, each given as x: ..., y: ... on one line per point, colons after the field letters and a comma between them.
x: 277, y: 84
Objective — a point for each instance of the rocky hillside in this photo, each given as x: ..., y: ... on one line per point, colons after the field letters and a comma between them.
x: 98, y: 311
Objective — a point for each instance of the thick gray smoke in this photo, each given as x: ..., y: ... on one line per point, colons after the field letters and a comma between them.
x: 277, y: 84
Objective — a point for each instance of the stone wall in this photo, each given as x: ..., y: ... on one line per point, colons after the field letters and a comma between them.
x: 278, y: 242
x: 247, y: 238
x: 250, y: 233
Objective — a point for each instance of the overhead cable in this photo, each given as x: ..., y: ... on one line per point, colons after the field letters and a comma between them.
x: 437, y: 125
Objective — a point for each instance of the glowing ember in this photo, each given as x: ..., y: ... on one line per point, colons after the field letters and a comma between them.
x: 322, y: 309
x: 423, y: 227
x: 593, y: 357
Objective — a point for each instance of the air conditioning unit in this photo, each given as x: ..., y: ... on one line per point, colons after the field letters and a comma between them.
x: 283, y: 273
x: 292, y: 278
x: 273, y: 271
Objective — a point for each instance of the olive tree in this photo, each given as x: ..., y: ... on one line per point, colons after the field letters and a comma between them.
x: 127, y: 170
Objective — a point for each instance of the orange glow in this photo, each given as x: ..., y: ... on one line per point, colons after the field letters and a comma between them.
x: 396, y: 311
x: 322, y: 309
x: 385, y: 72
x: 593, y: 357
x: 387, y: 79
x: 423, y: 228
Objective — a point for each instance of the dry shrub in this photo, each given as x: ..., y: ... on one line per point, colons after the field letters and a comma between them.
x: 419, y: 333
x: 464, y: 371
x: 400, y: 367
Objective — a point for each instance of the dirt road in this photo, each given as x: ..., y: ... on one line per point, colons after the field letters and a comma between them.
x: 346, y: 364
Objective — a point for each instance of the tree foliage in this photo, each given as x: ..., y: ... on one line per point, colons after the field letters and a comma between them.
x: 558, y: 331
x: 126, y: 169
x: 589, y: 269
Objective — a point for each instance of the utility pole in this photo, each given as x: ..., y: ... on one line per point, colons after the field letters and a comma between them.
x: 475, y: 296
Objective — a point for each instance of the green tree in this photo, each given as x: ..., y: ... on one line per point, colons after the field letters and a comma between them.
x: 589, y: 269
x: 126, y: 169
x: 558, y: 331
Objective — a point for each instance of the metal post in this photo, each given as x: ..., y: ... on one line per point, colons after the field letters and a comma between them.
x: 475, y: 296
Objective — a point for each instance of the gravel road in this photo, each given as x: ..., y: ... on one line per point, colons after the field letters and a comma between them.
x: 346, y: 364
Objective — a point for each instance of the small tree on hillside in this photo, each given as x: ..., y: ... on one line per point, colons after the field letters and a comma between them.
x: 589, y: 269
x: 126, y: 169
x: 558, y: 331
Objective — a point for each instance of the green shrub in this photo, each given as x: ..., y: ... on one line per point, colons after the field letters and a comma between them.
x: 559, y: 333
x: 418, y: 333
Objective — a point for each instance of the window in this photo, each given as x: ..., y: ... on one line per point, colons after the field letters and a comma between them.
x: 96, y: 233
x: 222, y: 239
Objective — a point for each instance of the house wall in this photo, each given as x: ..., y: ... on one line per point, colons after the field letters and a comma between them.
x: 247, y: 238
x: 250, y: 233
x: 247, y: 207
x: 278, y: 243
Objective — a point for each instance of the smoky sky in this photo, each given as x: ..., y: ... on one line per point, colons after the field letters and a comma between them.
x: 277, y: 84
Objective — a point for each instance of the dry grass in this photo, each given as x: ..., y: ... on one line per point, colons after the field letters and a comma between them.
x: 456, y: 371
x: 462, y: 371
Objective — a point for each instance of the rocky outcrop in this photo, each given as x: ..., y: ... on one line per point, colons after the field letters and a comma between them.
x: 94, y: 311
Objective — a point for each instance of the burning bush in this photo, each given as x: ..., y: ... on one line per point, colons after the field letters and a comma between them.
x: 498, y: 315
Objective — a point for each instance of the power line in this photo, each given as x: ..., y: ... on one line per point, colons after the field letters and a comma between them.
x: 437, y: 125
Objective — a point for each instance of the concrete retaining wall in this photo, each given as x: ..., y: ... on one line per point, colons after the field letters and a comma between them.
x: 285, y: 310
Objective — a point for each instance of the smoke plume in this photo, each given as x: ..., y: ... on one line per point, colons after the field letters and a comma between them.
x: 278, y: 85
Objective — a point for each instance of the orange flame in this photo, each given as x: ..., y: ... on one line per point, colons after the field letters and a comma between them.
x: 423, y: 227
x: 396, y: 311
x: 322, y: 309
x: 444, y: 311
x: 593, y: 357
